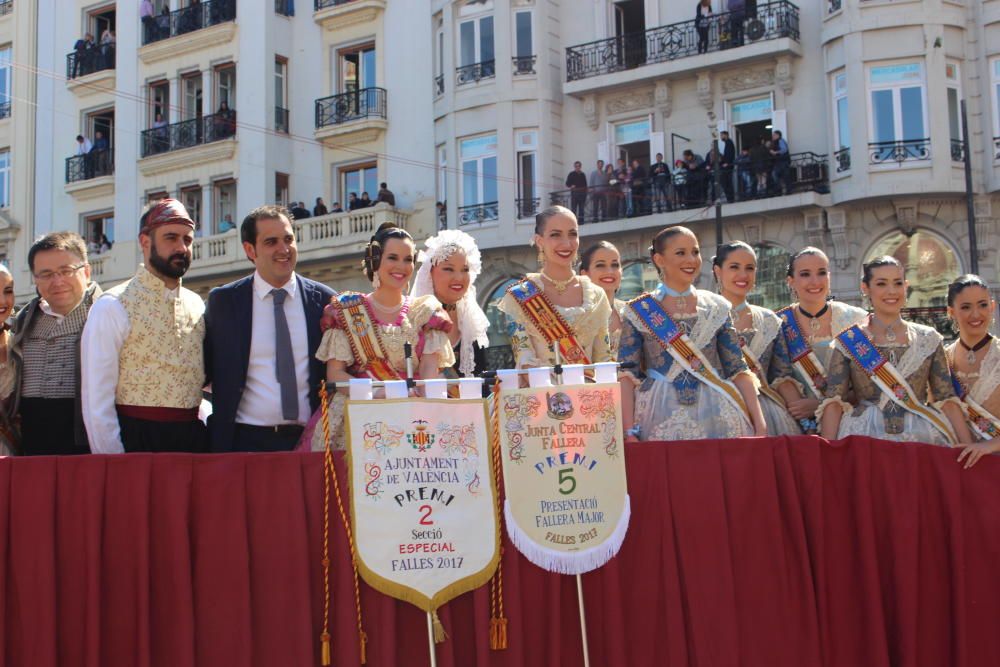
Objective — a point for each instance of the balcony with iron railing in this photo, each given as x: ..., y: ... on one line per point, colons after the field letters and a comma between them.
x: 957, y: 150
x: 527, y: 207
x: 801, y: 173
x: 82, y: 63
x: 744, y: 34
x: 475, y: 72
x: 475, y: 214
x: 90, y: 165
x: 833, y: 6
x: 6, y: 7
x: 899, y: 153
x: 188, y: 133
x: 355, y: 116
x: 281, y: 120
x: 188, y: 19
x: 4, y: 109
x: 523, y: 65
x: 284, y: 7
x: 439, y: 85
x: 843, y: 160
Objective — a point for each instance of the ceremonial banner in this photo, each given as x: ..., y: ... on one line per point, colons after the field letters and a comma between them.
x: 567, y: 505
x: 423, y: 499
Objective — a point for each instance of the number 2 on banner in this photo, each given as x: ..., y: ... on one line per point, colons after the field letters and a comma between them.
x: 425, y: 519
x: 566, y: 477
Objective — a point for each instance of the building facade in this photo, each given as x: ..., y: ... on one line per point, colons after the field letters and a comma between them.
x: 865, y: 92
x: 474, y: 111
x: 225, y: 105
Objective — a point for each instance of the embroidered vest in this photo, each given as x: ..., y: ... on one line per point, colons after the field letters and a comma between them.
x: 161, y: 363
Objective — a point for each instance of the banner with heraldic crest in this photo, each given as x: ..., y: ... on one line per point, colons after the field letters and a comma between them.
x: 423, y: 497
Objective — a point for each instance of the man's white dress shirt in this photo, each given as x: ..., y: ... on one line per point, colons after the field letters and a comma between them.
x: 261, y: 402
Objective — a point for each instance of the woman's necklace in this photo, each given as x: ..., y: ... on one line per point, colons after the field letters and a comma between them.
x: 449, y: 307
x: 814, y: 319
x: 560, y: 285
x: 387, y: 309
x: 890, y: 333
x: 734, y: 315
x: 679, y: 296
x: 970, y: 352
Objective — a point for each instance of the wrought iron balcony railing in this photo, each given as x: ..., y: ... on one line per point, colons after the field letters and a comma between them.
x: 475, y: 72
x: 957, y: 150
x: 6, y: 7
x: 284, y: 7
x: 82, y: 63
x: 188, y: 133
x: 524, y: 64
x: 799, y: 172
x: 323, y: 4
x: 843, y: 160
x: 833, y: 6
x: 90, y: 165
x: 5, y: 109
x: 725, y: 30
x: 439, y: 85
x: 188, y: 19
x: 477, y: 213
x: 527, y: 207
x: 281, y: 120
x: 909, y: 150
x: 355, y: 105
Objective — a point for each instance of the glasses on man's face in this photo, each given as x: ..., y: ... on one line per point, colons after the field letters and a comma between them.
x: 65, y: 272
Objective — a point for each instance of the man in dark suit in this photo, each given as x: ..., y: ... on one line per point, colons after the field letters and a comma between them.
x: 260, y: 343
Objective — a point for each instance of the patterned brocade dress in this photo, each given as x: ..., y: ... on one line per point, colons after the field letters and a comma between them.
x: 766, y: 345
x: 615, y: 337
x: 588, y: 321
x: 419, y: 323
x: 670, y: 403
x: 921, y: 360
x: 842, y: 316
x: 982, y: 386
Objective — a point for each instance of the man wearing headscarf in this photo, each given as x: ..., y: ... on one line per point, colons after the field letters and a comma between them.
x: 142, y: 355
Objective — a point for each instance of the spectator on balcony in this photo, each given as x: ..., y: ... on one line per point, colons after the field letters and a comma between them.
x: 320, y: 208
x: 695, y: 183
x: 83, y: 145
x: 163, y: 22
x: 225, y: 121
x: 299, y: 212
x: 192, y: 18
x: 46, y: 347
x: 727, y: 155
x: 640, y: 189
x: 760, y: 159
x: 660, y: 176
x: 365, y: 201
x: 623, y: 178
x: 614, y: 192
x: 441, y: 210
x: 226, y: 224
x: 737, y: 14
x: 353, y: 203
x: 702, y: 21
x: 83, y: 51
x: 336, y: 208
x: 106, y: 243
x: 98, y: 158
x: 678, y: 177
x: 744, y: 173
x: 576, y: 181
x: 385, y: 195
x: 782, y: 161
x: 599, y: 191
x: 160, y: 138
x: 107, y: 49
x: 147, y: 14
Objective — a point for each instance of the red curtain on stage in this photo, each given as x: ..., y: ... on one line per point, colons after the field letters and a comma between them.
x: 765, y: 552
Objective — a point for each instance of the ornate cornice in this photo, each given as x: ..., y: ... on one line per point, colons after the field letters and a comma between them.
x: 633, y: 101
x: 747, y: 79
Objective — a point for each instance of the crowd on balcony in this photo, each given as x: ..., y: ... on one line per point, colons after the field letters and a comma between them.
x: 89, y: 56
x: 93, y: 158
x: 624, y: 190
x: 354, y: 203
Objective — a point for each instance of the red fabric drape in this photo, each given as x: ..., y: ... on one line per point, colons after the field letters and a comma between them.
x: 770, y: 552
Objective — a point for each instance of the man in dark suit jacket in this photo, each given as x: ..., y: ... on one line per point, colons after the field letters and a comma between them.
x: 261, y: 340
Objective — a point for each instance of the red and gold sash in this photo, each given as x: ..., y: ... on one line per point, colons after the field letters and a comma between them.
x: 979, y: 418
x: 759, y: 380
x: 363, y: 334
x: 543, y: 315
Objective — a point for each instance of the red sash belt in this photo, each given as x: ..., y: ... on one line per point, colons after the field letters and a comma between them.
x: 156, y: 414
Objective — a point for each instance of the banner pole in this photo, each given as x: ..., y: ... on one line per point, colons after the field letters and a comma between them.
x: 430, y: 640
x: 583, y: 620
x: 579, y: 579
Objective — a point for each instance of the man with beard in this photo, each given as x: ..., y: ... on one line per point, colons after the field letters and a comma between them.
x: 142, y: 348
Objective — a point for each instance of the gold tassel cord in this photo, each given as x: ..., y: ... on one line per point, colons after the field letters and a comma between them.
x: 325, y: 657
x: 440, y: 636
x: 362, y: 636
x: 498, y: 622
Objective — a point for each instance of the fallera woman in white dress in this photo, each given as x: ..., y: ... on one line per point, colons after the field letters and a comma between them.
x: 602, y: 263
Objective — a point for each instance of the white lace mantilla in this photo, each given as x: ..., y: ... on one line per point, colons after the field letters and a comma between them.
x: 844, y: 316
x: 767, y: 325
x: 989, y: 374
x: 923, y: 342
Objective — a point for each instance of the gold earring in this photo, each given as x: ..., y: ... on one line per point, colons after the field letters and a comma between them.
x: 541, y: 258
